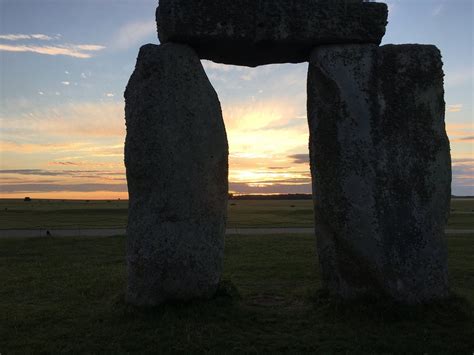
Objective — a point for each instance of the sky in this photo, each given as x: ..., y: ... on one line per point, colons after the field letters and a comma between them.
x: 64, y: 65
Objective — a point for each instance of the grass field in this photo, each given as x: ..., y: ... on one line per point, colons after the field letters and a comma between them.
x: 48, y: 214
x: 65, y: 295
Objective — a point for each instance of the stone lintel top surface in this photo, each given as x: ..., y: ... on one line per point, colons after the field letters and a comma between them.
x: 258, y: 32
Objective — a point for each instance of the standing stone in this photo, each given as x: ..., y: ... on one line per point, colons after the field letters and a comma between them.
x: 257, y: 32
x: 381, y: 169
x: 176, y: 155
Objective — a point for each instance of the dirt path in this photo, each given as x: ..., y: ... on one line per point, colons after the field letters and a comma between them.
x: 42, y: 233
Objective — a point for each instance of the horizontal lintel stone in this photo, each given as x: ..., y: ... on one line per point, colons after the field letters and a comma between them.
x: 258, y: 32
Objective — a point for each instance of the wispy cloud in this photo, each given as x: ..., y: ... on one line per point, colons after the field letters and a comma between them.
x: 82, y: 51
x: 391, y: 8
x: 54, y: 187
x: 287, y: 123
x: 64, y: 163
x: 454, y: 108
x: 460, y: 132
x: 102, y: 119
x: 246, y: 188
x: 134, y: 33
x: 70, y: 173
x: 437, y: 10
x: 208, y: 66
x: 460, y: 76
x: 299, y: 158
x: 22, y: 37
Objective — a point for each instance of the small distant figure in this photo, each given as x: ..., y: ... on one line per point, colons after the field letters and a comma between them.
x: 48, y: 233
x: 27, y: 199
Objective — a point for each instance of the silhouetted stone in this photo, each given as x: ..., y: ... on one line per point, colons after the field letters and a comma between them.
x: 256, y: 32
x: 381, y: 170
x: 176, y: 157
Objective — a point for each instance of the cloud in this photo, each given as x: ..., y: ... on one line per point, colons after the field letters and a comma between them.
x: 437, y: 10
x: 299, y: 158
x: 43, y: 172
x: 257, y: 138
x: 64, y: 163
x: 81, y: 51
x: 21, y: 37
x: 454, y: 108
x: 463, y: 160
x: 208, y: 65
x: 67, y: 83
x: 459, y: 77
x: 391, y: 8
x: 103, y: 119
x: 460, y: 132
x: 245, y: 188
x: 54, y: 187
x: 27, y: 148
x: 31, y: 172
x: 290, y: 123
x: 134, y: 33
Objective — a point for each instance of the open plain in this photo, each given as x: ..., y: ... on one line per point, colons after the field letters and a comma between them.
x: 68, y: 214
x: 66, y: 294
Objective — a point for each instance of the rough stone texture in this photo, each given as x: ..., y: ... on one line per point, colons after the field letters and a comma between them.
x: 381, y: 168
x: 257, y: 32
x: 176, y: 156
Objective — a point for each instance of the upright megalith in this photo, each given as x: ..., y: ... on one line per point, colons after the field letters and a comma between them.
x: 257, y: 32
x: 176, y: 158
x: 380, y: 161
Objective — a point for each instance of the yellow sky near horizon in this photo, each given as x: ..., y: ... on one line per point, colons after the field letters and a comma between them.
x: 268, y: 142
x: 85, y: 150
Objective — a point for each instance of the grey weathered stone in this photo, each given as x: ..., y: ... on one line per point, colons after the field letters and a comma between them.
x: 176, y: 156
x: 257, y: 32
x: 381, y: 170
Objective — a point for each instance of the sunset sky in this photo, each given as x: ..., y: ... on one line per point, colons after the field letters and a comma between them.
x: 64, y: 65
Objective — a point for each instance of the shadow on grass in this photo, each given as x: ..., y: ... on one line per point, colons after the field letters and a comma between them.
x: 452, y: 309
x: 227, y: 296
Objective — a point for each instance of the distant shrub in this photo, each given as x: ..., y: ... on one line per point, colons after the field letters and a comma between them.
x: 27, y: 199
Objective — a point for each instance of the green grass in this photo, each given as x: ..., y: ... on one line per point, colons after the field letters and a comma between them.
x: 47, y: 214
x: 65, y: 295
